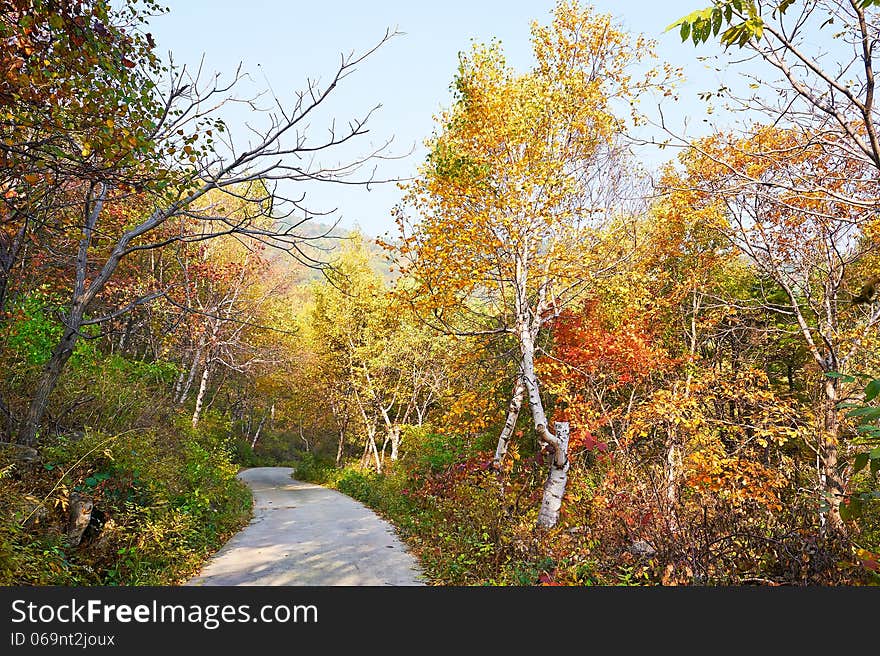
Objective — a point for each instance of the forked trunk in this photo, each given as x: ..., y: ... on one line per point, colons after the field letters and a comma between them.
x: 557, y: 478
x: 375, y: 451
x: 554, y: 488
x: 183, y: 392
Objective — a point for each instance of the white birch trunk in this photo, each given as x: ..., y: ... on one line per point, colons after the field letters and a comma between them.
x: 510, y: 423
x: 395, y: 443
x: 557, y: 478
x: 200, y: 398
x: 257, y: 434
x: 197, y: 358
x: 375, y: 452
x: 554, y: 488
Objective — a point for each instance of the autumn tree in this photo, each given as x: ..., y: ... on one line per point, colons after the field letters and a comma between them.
x: 806, y: 243
x: 821, y: 56
x: 174, y: 151
x: 378, y: 366
x: 514, y: 209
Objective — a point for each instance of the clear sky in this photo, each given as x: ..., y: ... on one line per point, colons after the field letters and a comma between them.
x: 281, y: 43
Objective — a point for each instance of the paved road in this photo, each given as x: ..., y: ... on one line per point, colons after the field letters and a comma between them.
x: 304, y: 534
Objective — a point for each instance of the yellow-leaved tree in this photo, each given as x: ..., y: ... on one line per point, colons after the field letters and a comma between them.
x: 517, y: 209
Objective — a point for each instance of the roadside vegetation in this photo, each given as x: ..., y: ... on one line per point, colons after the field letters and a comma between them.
x: 559, y: 368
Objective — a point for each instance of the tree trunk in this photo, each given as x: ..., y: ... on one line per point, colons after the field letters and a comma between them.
x: 394, y: 435
x: 200, y: 398
x: 832, y: 482
x: 51, y: 373
x: 510, y: 423
x: 257, y: 434
x: 178, y: 385
x: 302, y: 435
x: 530, y: 380
x: 554, y: 488
x: 673, y: 458
x: 197, y: 358
x: 340, y: 447
x: 375, y: 452
x: 126, y: 333
x: 81, y: 298
x: 9, y: 424
x: 365, y: 456
x: 8, y: 259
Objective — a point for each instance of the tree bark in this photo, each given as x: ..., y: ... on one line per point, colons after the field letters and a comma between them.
x: 557, y: 478
x: 80, y: 300
x: 832, y: 483
x: 51, y: 373
x: 197, y: 358
x: 510, y: 423
x: 340, y: 447
x: 394, y: 436
x: 554, y: 488
x: 375, y: 451
x: 673, y: 458
x: 257, y: 433
x: 530, y: 381
x: 302, y: 435
x: 200, y: 398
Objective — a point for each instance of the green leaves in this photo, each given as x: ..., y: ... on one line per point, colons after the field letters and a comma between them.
x: 851, y: 509
x: 685, y: 30
x: 872, y: 389
x: 864, y: 458
x: 702, y: 24
x: 95, y: 479
x: 865, y: 412
x: 869, y: 432
x: 699, y: 25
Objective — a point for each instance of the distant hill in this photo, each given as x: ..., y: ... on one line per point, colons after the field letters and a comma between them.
x: 320, y: 242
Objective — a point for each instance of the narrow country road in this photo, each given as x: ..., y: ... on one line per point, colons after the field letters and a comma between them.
x: 304, y: 534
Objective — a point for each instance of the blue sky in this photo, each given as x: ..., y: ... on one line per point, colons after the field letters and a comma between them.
x: 281, y: 43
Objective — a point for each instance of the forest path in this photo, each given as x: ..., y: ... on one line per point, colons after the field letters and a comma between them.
x: 305, y: 534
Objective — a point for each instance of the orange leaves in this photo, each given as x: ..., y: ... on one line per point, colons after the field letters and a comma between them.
x: 735, y: 480
x: 624, y: 354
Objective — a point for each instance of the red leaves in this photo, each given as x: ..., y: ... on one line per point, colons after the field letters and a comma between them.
x: 441, y: 484
x: 590, y: 443
x: 870, y: 564
x: 547, y: 578
x: 621, y: 355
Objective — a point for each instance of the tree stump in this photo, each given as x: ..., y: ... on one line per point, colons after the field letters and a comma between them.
x: 79, y: 515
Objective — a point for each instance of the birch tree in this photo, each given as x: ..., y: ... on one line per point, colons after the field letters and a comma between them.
x: 373, y: 359
x: 514, y: 211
